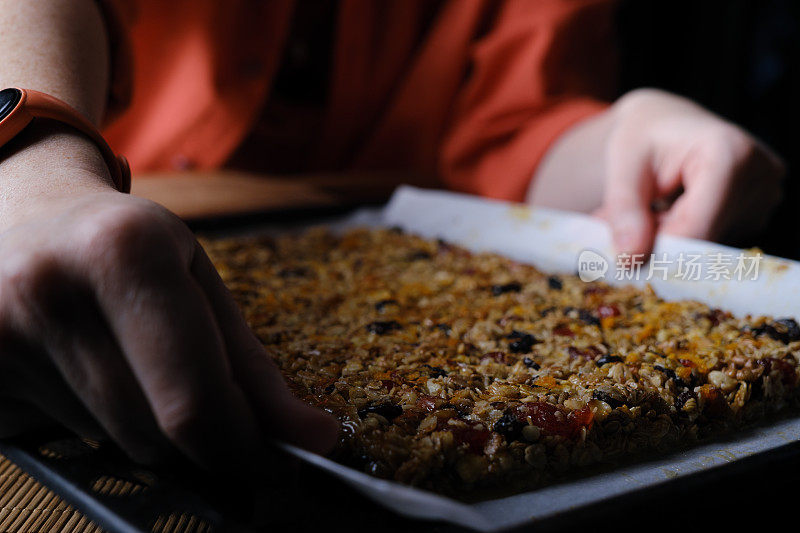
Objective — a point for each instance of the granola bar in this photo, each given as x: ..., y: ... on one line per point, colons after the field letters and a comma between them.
x: 456, y: 371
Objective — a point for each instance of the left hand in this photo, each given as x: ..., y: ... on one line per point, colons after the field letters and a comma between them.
x: 724, y: 182
x: 657, y: 162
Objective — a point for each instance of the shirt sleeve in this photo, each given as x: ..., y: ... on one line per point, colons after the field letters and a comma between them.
x: 543, y: 66
x: 118, y: 16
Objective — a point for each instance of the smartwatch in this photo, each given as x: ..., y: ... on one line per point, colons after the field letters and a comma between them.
x: 18, y: 107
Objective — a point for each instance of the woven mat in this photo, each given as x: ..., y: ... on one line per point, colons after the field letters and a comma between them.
x: 28, y: 507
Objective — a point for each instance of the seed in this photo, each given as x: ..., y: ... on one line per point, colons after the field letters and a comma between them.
x: 534, y: 456
x: 531, y: 433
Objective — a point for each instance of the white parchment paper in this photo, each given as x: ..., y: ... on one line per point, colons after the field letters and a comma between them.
x: 552, y: 240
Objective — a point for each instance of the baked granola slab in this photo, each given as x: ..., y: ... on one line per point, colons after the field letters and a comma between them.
x: 456, y: 371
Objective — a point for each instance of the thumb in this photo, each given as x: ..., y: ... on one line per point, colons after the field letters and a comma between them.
x: 630, y: 186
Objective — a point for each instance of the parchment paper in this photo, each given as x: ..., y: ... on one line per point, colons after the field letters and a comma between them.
x: 552, y: 240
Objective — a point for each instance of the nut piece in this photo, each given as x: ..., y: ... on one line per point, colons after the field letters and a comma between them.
x: 531, y: 433
x: 534, y: 456
x: 722, y: 381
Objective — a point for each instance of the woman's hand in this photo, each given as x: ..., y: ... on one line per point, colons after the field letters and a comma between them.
x: 656, y: 162
x: 114, y: 321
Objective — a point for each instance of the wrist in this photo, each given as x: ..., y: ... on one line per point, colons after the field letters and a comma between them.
x: 48, y: 161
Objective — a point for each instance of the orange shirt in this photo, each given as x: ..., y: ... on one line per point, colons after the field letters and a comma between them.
x: 470, y: 92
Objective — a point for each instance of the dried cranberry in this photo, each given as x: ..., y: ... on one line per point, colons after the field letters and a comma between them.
x: 589, y: 353
x: 563, y: 330
x: 500, y: 357
x: 595, y: 289
x: 788, y: 375
x: 381, y: 327
x: 554, y: 420
x: 608, y: 310
x: 475, y: 438
x: 427, y: 403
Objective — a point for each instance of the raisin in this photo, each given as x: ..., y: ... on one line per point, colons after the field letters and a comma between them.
x: 608, y: 359
x: 381, y: 327
x: 380, y: 306
x: 587, y: 317
x: 386, y: 410
x: 523, y: 343
x: 606, y: 397
x: 684, y: 397
x: 508, y: 426
x: 444, y: 328
x: 530, y: 363
x: 418, y: 255
x: 589, y: 353
x: 671, y: 375
x: 514, y: 286
x: 555, y: 283
x: 436, y: 371
x: 293, y: 272
x: 785, y: 330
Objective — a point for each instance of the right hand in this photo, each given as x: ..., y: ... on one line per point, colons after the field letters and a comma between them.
x: 113, y: 321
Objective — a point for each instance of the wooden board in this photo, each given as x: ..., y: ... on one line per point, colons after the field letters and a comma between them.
x: 195, y: 195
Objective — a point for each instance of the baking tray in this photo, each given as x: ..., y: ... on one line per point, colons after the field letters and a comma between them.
x: 119, y: 495
x: 549, y: 239
x: 554, y: 240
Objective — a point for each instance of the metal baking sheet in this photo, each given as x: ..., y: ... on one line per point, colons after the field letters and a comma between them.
x: 553, y: 241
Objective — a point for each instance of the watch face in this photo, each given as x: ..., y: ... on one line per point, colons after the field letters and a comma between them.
x: 9, y: 98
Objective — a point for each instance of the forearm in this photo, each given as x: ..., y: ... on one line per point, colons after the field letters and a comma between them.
x: 570, y: 176
x: 58, y: 47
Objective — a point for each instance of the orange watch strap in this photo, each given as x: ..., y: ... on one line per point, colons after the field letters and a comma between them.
x: 35, y: 104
